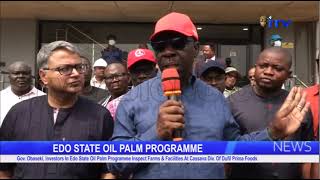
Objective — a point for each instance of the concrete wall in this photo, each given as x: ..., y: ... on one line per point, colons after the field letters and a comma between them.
x: 305, y: 52
x: 18, y: 42
x: 254, y: 51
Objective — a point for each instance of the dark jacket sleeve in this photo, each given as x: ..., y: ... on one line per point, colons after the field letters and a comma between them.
x: 108, y: 126
x: 7, y: 134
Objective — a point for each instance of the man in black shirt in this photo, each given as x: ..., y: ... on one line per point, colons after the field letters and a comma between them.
x: 91, y: 92
x: 60, y: 115
x: 253, y: 107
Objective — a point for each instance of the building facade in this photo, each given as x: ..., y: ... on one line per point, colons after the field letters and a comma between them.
x: 233, y: 26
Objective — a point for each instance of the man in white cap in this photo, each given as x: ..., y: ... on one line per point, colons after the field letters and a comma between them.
x: 232, y: 76
x: 98, y: 79
x: 88, y: 91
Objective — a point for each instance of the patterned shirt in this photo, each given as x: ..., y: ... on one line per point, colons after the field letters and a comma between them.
x: 112, y: 106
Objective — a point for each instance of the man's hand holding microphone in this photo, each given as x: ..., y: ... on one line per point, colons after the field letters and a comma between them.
x: 170, y: 122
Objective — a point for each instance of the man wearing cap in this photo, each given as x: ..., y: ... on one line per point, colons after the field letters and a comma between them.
x: 213, y: 74
x: 141, y: 65
x: 145, y: 114
x: 232, y: 76
x: 276, y: 40
x: 88, y: 91
x: 98, y: 80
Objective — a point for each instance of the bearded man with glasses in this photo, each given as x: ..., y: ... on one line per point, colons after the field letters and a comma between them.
x: 61, y: 115
x: 145, y: 114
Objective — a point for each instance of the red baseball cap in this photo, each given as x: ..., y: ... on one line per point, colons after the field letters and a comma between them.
x: 176, y: 22
x: 138, y: 55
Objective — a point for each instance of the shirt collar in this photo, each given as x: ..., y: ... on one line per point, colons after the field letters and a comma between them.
x: 31, y: 92
x: 96, y: 81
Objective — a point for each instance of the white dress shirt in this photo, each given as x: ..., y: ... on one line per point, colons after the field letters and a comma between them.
x: 94, y: 82
x: 212, y: 59
x: 9, y: 99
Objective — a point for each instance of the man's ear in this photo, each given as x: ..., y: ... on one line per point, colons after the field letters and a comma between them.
x: 43, y: 76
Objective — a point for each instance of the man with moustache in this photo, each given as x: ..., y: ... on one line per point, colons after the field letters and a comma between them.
x: 213, y: 74
x: 20, y: 88
x: 117, y: 81
x: 141, y: 65
x: 61, y: 115
x: 253, y: 108
x: 145, y: 114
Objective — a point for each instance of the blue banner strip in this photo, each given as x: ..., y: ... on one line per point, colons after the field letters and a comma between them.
x: 159, y: 147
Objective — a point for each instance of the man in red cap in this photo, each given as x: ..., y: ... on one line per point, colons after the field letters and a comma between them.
x: 145, y: 114
x: 141, y: 65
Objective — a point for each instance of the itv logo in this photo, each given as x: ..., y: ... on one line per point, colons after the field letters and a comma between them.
x: 274, y: 22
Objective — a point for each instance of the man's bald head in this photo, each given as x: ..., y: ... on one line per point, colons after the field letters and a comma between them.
x: 272, y: 70
x: 283, y: 53
x: 20, y: 77
x: 19, y: 65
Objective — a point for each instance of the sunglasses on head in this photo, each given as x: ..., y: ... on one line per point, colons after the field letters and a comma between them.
x: 176, y: 43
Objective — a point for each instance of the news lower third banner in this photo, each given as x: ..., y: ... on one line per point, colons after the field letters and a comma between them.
x: 159, y: 152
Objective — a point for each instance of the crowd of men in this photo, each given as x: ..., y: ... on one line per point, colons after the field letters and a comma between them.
x: 117, y: 101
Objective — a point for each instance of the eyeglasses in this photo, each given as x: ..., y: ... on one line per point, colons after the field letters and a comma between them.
x: 146, y: 72
x: 67, y: 69
x: 177, y: 43
x: 144, y: 69
x: 115, y: 76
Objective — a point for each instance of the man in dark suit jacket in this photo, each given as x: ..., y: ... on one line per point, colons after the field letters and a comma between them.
x: 209, y: 54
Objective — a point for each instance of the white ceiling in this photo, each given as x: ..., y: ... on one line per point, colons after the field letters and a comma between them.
x: 218, y: 12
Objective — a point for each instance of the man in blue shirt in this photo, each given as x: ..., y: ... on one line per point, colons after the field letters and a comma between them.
x: 145, y: 114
